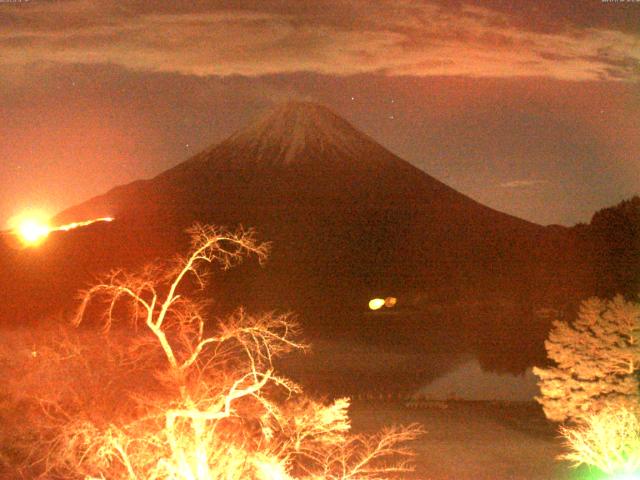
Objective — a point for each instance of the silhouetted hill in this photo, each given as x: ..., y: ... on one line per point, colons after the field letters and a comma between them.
x: 613, y: 236
x: 349, y: 221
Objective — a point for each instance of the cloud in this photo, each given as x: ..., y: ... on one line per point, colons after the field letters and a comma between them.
x: 522, y: 183
x: 339, y: 37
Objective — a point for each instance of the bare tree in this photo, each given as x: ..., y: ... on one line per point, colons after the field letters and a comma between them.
x: 217, y: 408
x: 154, y: 294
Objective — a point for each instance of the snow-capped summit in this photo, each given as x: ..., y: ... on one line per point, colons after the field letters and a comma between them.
x: 296, y: 132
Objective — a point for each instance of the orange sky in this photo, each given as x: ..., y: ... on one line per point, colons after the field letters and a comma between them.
x: 529, y: 107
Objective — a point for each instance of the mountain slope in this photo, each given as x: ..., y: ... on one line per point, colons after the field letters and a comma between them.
x: 293, y: 146
x: 313, y: 184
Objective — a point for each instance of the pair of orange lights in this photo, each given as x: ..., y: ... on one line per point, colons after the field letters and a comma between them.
x: 378, y: 303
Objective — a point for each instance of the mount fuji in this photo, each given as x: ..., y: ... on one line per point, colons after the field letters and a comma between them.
x: 349, y: 221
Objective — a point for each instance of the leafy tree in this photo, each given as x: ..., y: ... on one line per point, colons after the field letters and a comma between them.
x: 597, y: 359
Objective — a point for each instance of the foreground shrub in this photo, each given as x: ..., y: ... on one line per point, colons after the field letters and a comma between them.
x: 608, y: 440
x: 166, y: 394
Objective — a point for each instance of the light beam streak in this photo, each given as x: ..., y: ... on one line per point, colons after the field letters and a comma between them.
x: 34, y: 231
x: 71, y: 226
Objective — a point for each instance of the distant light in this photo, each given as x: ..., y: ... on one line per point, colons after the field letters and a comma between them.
x: 376, y: 303
x: 626, y: 476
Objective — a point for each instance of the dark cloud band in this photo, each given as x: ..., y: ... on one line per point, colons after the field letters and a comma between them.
x: 391, y: 37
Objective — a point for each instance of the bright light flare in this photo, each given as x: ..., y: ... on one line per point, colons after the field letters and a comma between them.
x: 608, y: 440
x: 32, y: 230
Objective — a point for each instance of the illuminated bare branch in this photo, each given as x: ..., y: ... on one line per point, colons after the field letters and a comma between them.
x: 608, y: 440
x: 141, y: 291
x: 219, y: 411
